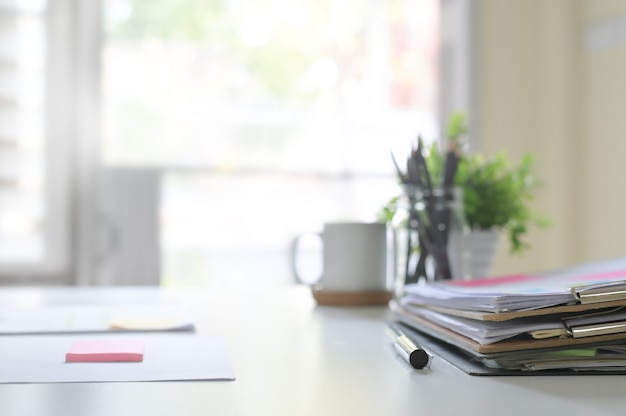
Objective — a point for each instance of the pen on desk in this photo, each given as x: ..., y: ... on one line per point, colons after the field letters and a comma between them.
x: 406, y: 348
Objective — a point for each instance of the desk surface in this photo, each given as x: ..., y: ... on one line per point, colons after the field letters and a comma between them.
x: 292, y: 357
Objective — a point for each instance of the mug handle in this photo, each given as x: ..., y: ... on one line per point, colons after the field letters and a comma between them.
x: 293, y: 257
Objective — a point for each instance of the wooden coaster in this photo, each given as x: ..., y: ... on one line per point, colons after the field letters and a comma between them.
x: 323, y: 297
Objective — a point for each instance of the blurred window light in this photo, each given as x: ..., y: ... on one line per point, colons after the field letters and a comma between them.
x: 24, y: 209
x: 267, y: 117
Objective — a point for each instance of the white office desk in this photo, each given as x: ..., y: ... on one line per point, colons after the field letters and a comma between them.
x: 294, y: 358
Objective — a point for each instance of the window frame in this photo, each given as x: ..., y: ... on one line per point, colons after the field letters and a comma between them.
x: 72, y: 30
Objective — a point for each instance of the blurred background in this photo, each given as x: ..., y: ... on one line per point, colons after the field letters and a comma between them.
x: 186, y: 142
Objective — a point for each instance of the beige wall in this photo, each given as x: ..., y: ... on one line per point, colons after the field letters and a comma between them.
x: 543, y: 89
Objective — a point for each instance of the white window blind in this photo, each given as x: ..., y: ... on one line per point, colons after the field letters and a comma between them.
x: 33, y: 234
x: 22, y: 66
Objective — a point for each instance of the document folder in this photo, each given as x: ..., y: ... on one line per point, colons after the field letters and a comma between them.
x: 600, y: 293
x: 470, y: 366
x: 508, y: 345
x: 522, y: 293
x: 527, y: 323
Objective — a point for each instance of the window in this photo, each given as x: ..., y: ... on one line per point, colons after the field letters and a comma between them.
x: 266, y: 118
x: 33, y: 239
x: 262, y: 118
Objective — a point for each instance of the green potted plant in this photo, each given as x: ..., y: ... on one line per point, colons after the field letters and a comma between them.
x: 497, y: 197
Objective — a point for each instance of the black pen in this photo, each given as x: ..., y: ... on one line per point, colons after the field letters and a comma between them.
x: 450, y: 165
x: 423, y: 167
x: 449, y: 172
x: 406, y: 348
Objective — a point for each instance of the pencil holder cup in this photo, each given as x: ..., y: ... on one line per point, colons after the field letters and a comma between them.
x: 431, y: 236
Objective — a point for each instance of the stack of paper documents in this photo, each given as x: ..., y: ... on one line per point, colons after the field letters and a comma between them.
x: 572, y: 321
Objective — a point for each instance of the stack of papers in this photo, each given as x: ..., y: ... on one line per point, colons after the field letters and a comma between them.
x: 567, y: 321
x: 518, y: 292
x: 151, y: 342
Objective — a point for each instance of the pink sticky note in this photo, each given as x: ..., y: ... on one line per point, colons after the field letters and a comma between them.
x: 97, y: 351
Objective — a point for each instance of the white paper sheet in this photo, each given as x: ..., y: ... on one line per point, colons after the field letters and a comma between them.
x: 169, y: 357
x: 100, y: 318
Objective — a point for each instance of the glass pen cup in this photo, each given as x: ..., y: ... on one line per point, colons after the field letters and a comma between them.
x: 431, y: 236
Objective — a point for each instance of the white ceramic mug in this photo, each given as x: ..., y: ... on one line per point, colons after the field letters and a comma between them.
x: 354, y: 257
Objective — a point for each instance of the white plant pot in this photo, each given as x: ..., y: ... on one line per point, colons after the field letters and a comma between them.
x: 482, y: 245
